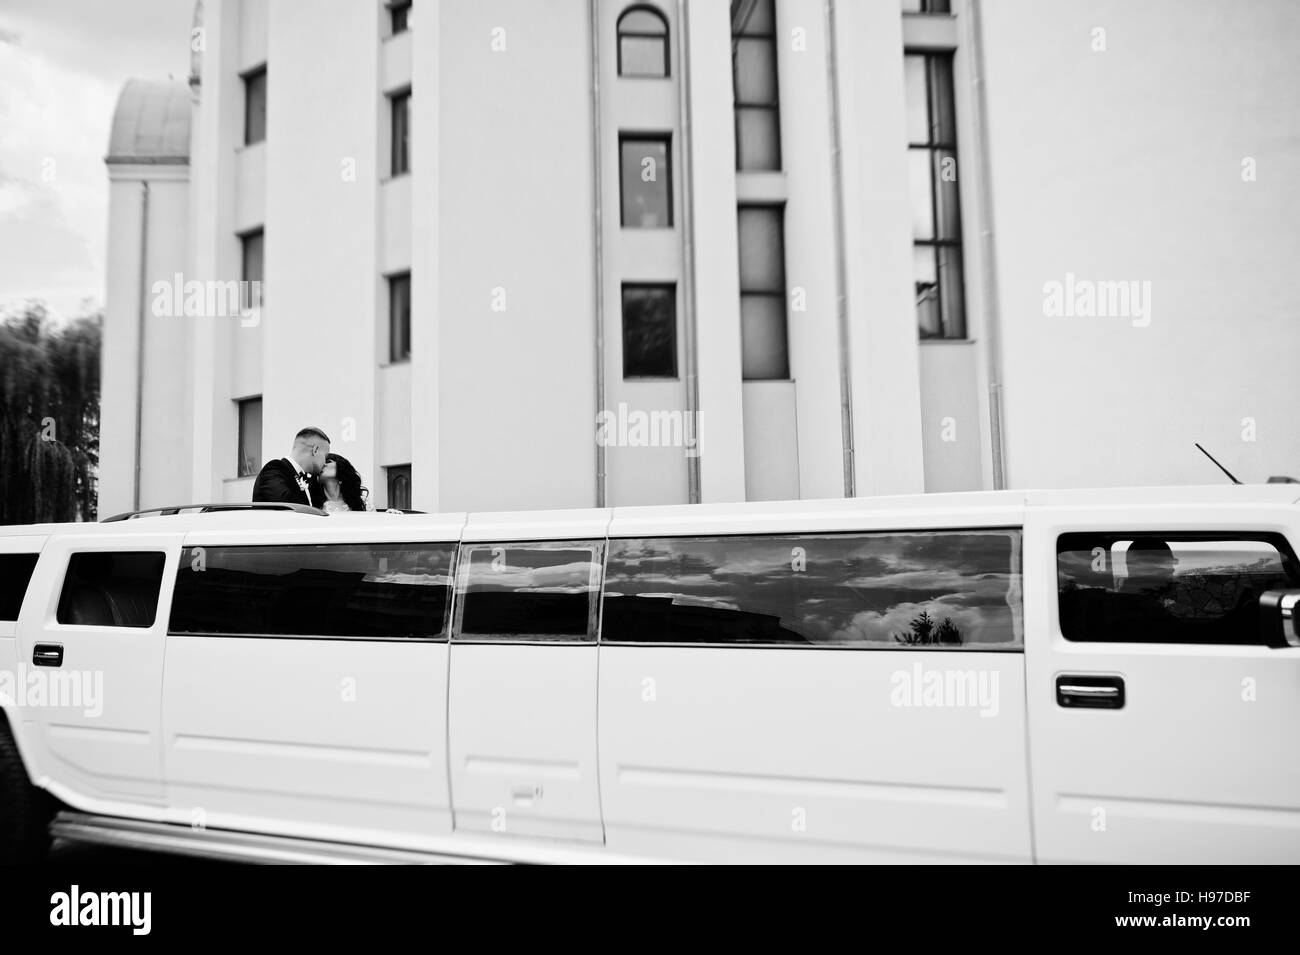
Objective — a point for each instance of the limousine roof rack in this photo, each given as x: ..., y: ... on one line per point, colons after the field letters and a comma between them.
x: 210, y: 508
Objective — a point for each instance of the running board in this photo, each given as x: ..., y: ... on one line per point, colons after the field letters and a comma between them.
x: 229, y: 846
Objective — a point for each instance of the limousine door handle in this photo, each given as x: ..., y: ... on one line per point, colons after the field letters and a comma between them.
x: 1090, y: 691
x: 47, y: 654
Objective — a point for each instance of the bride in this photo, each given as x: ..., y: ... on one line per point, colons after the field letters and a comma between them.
x: 342, y: 486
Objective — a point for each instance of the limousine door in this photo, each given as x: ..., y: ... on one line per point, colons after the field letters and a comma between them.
x: 90, y: 641
x: 1161, y: 728
x: 306, y: 678
x: 775, y: 688
x: 522, y: 696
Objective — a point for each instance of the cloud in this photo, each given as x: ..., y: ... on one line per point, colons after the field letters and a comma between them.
x: 53, y: 186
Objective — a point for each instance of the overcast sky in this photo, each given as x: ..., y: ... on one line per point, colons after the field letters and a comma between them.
x: 62, y: 65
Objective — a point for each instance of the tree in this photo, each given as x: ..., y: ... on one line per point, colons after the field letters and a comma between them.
x: 49, y: 417
x: 922, y: 632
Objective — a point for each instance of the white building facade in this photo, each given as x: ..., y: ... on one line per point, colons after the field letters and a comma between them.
x: 568, y: 253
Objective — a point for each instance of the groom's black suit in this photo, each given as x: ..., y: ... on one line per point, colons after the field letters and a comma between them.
x: 278, y: 481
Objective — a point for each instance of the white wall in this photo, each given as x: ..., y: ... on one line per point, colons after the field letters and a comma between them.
x: 1127, y: 164
x: 166, y: 437
x: 883, y: 346
x: 321, y: 227
x: 517, y: 387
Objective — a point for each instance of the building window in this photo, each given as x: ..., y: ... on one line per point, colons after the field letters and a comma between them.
x: 399, y: 486
x: 250, y: 436
x: 642, y: 43
x: 401, y: 147
x: 936, y: 215
x: 255, y: 106
x: 250, y: 295
x: 399, y: 16
x: 926, y: 6
x: 399, y: 317
x: 649, y: 331
x: 763, y: 342
x: 753, y: 67
x: 647, y: 182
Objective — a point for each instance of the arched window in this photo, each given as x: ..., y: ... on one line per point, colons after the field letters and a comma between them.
x: 642, y: 43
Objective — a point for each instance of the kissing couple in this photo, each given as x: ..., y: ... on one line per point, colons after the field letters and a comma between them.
x: 310, y: 474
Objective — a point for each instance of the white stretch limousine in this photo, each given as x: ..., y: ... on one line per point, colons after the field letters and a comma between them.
x: 1056, y: 676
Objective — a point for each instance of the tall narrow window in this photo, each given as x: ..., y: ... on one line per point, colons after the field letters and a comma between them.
x: 936, y: 215
x: 753, y: 65
x: 926, y: 6
x: 642, y: 43
x: 649, y: 331
x: 250, y: 295
x: 647, y: 183
x: 401, y: 147
x: 250, y: 436
x: 255, y: 106
x: 399, y: 486
x: 399, y: 16
x: 763, y: 342
x: 399, y: 317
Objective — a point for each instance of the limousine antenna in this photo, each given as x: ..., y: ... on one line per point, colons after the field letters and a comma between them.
x: 1217, y: 464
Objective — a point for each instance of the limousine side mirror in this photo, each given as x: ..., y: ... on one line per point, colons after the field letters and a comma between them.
x: 1278, y: 618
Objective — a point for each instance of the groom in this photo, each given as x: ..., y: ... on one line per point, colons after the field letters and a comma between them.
x: 292, y: 479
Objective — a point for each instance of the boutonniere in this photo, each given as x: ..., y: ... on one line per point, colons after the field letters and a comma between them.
x: 302, y: 484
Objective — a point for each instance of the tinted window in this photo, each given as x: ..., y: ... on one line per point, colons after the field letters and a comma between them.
x: 646, y: 178
x: 250, y: 436
x: 764, y: 348
x: 649, y: 331
x: 399, y: 13
x: 642, y: 43
x: 754, y: 85
x: 399, y: 317
x: 936, y: 589
x: 105, y: 589
x: 534, y: 591
x: 1175, y: 588
x: 401, y: 146
x: 15, y: 574
x: 379, y: 591
x: 255, y: 107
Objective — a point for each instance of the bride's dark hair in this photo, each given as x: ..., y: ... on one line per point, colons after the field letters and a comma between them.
x: 349, y: 482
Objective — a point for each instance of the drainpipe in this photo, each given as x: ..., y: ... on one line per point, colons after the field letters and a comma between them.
x: 841, y: 265
x: 688, y: 253
x: 597, y: 165
x: 992, y: 321
x: 139, y: 339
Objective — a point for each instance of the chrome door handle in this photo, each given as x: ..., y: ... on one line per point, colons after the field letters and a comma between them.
x: 47, y: 654
x: 1077, y: 690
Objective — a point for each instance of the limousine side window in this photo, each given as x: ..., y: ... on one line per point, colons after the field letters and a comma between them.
x: 111, y: 589
x: 936, y: 589
x: 543, y: 591
x: 15, y: 575
x: 361, y: 591
x: 1168, y: 588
